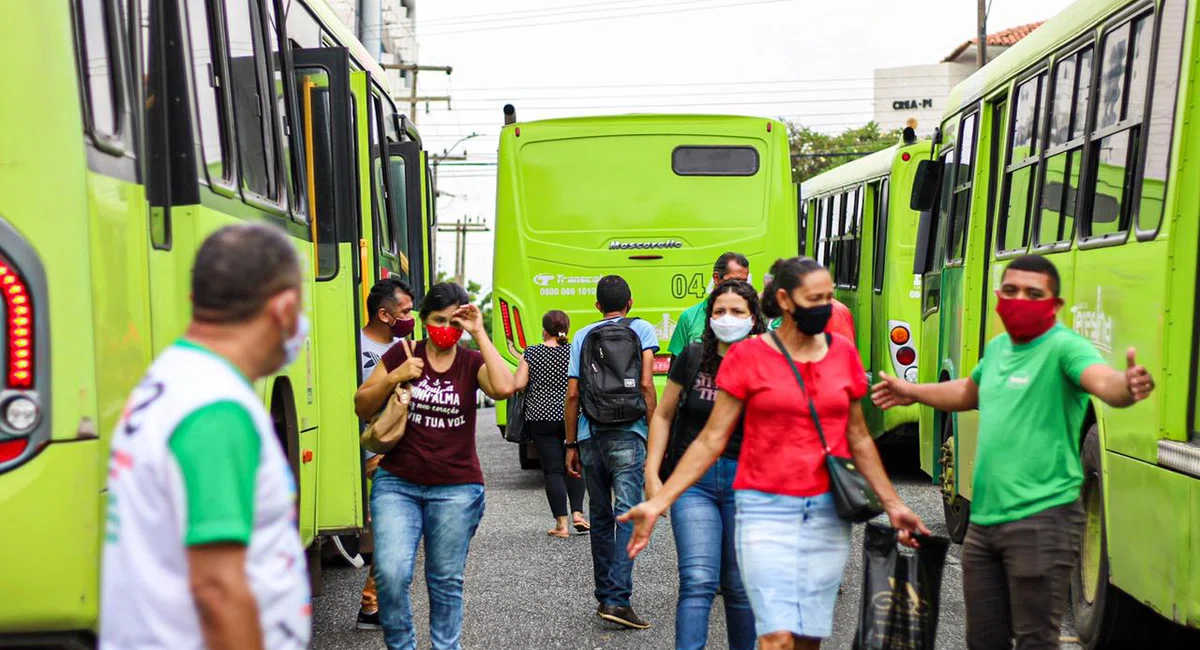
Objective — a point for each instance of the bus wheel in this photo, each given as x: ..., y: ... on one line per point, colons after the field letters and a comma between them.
x: 1105, y: 617
x: 956, y: 509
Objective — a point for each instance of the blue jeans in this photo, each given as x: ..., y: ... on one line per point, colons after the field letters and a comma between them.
x: 702, y: 520
x: 446, y: 516
x: 613, y: 466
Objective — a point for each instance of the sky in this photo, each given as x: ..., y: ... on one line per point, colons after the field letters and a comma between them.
x: 809, y: 61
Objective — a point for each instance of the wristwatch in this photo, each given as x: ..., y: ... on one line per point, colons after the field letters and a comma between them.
x: 572, y: 445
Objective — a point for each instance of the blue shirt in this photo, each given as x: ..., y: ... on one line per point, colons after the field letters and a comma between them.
x: 645, y: 332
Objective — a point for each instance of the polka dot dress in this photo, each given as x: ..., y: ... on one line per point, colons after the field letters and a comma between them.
x: 547, y: 388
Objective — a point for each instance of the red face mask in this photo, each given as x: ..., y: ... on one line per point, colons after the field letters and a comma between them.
x: 444, y: 337
x: 1025, y: 320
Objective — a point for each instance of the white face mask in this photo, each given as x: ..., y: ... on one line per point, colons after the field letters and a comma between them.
x: 291, y: 347
x: 730, y: 328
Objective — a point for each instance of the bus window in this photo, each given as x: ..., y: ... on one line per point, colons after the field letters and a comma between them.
x: 1124, y: 64
x: 212, y: 138
x: 1021, y: 170
x: 942, y: 216
x: 1067, y: 115
x: 1161, y: 117
x: 101, y: 68
x: 714, y: 161
x: 818, y: 252
x: 383, y: 218
x: 316, y: 130
x: 398, y: 197
x: 881, y: 231
x: 963, y: 179
x: 293, y: 162
x: 855, y: 243
x: 244, y: 51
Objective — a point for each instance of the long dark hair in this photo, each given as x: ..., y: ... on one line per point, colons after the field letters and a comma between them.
x: 709, y: 359
x: 787, y: 274
x: 556, y: 323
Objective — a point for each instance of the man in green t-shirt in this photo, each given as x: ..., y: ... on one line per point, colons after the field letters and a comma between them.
x: 1032, y: 388
x: 690, y: 326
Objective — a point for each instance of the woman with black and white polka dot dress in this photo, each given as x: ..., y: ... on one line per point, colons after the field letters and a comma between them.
x: 542, y: 374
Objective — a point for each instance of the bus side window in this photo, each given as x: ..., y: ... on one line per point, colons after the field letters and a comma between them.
x: 880, y: 191
x: 212, y: 137
x: 1067, y: 115
x: 854, y: 244
x: 1152, y: 191
x: 293, y: 159
x: 316, y: 128
x: 942, y: 214
x: 1020, y: 174
x: 383, y: 217
x: 96, y: 26
x: 254, y: 136
x: 960, y: 202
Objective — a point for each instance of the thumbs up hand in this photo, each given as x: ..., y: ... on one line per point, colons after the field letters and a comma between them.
x: 1137, y: 378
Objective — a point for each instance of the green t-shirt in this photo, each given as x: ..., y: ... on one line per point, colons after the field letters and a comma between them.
x: 1031, y: 406
x: 217, y: 448
x: 688, y: 329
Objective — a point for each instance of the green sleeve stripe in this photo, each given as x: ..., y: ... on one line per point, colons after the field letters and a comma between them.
x: 217, y: 448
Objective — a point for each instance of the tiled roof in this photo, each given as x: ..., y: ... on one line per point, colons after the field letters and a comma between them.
x: 1003, y: 38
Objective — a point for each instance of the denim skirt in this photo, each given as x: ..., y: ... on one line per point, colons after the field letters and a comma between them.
x: 791, y: 552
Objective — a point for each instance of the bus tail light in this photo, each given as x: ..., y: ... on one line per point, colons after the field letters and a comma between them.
x: 662, y: 364
x: 506, y: 320
x: 520, y: 328
x: 903, y: 352
x: 17, y: 303
x: 10, y: 449
x: 507, y: 316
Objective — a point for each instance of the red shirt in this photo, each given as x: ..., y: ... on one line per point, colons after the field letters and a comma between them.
x: 841, y: 322
x: 438, y: 447
x: 781, y: 452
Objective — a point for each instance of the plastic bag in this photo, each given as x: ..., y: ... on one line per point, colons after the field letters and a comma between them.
x: 901, y: 591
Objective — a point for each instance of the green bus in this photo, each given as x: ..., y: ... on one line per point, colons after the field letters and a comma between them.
x: 859, y: 224
x: 653, y: 198
x: 1080, y: 143
x: 140, y: 127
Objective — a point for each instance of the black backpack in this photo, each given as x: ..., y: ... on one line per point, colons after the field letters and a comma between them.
x: 610, y: 375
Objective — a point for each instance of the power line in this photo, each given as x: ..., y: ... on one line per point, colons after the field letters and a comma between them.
x: 594, y: 107
x: 762, y: 82
x: 610, y: 17
x: 548, y: 12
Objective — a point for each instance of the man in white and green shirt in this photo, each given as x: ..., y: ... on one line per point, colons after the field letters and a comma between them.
x: 690, y: 326
x: 201, y: 546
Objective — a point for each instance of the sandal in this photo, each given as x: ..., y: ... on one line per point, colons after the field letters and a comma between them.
x: 561, y: 534
x: 581, y: 525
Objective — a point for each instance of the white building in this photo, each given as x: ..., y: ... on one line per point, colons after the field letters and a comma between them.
x: 919, y: 92
x: 386, y: 27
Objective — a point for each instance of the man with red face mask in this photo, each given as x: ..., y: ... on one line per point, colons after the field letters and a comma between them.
x: 1031, y: 388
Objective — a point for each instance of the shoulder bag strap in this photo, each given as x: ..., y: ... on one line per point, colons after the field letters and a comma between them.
x: 800, y: 380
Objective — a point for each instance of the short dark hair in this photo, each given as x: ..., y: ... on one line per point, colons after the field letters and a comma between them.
x: 238, y: 269
x: 721, y: 266
x: 1036, y: 264
x: 612, y: 293
x: 787, y: 274
x: 441, y: 296
x: 383, y: 295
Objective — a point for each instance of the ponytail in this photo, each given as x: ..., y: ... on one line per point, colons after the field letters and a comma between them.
x: 561, y: 337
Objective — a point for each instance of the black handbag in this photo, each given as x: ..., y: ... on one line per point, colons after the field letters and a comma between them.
x: 514, y: 431
x: 673, y: 453
x: 853, y: 497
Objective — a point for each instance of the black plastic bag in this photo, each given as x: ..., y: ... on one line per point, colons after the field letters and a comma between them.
x: 901, y: 590
x: 514, y: 431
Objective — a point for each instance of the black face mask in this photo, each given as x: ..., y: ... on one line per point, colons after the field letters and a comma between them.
x: 812, y: 320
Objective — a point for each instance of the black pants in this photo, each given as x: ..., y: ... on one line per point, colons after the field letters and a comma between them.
x: 1016, y: 579
x: 549, y: 438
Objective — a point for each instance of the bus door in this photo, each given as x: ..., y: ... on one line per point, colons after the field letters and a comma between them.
x: 322, y: 80
x: 927, y: 263
x: 989, y: 322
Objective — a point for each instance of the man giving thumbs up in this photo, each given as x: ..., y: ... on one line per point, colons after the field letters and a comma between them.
x: 1031, y: 389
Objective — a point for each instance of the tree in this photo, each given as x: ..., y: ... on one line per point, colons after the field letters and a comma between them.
x: 814, y: 152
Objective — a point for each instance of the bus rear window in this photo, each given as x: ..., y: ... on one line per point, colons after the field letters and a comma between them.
x: 715, y: 161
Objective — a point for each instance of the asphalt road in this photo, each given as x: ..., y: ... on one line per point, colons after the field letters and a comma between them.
x: 527, y: 590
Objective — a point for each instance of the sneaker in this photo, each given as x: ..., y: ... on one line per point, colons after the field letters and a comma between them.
x: 622, y: 616
x: 368, y: 621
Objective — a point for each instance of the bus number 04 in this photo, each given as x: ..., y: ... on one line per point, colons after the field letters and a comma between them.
x: 681, y: 286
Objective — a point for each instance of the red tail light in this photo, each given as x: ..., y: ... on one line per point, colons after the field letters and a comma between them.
x: 520, y: 328
x: 10, y: 449
x: 662, y: 364
x: 906, y: 356
x: 20, y: 327
x: 506, y: 320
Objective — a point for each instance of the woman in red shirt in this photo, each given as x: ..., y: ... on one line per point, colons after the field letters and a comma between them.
x: 791, y: 545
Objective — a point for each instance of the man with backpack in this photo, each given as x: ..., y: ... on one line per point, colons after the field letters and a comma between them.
x: 610, y: 397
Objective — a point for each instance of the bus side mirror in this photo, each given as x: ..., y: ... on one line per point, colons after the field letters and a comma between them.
x: 921, y: 256
x: 925, y: 185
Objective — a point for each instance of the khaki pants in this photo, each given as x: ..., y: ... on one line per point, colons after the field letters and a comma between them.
x: 370, y: 597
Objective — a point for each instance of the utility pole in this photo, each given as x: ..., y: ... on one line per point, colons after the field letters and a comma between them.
x: 460, y: 229
x: 981, y: 50
x: 413, y: 98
